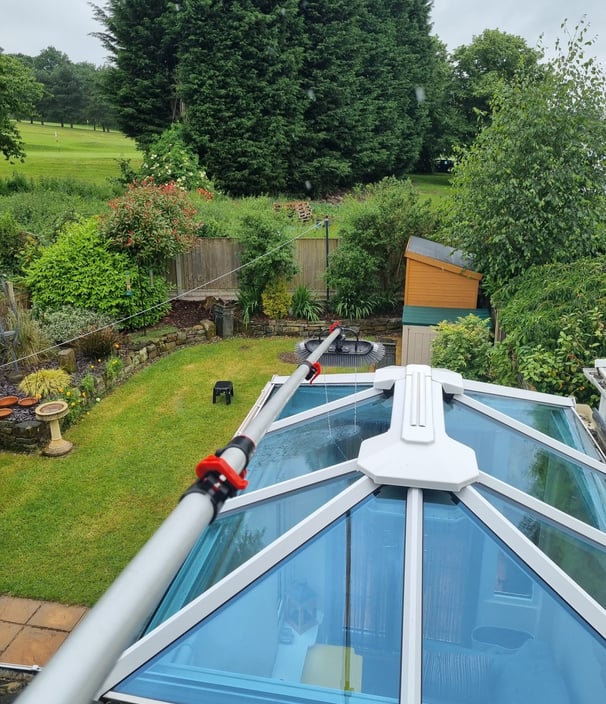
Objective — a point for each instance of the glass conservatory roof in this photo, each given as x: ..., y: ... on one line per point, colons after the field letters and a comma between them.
x: 407, y: 536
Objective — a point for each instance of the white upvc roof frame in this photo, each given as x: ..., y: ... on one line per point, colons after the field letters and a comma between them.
x: 572, y: 593
x: 235, y: 582
x: 549, y: 512
x: 411, y: 675
x: 513, y: 392
x: 536, y: 435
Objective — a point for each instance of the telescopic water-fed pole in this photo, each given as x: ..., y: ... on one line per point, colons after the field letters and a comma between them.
x: 79, y: 668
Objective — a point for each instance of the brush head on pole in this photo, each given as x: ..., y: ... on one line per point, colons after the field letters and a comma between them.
x: 343, y: 352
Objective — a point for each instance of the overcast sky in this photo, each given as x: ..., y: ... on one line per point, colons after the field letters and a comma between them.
x: 29, y: 26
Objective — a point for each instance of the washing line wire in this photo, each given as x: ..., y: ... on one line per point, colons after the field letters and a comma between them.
x: 168, y: 300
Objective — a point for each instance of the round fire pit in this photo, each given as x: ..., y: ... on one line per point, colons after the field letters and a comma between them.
x: 51, y: 412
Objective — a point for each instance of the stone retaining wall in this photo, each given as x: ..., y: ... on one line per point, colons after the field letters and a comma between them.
x: 31, y: 435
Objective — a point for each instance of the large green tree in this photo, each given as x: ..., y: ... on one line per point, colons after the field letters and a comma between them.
x: 532, y: 188
x: 478, y: 69
x: 19, y: 92
x: 239, y: 78
x: 291, y: 96
x: 141, y: 37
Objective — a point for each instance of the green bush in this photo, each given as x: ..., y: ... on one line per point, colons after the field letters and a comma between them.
x: 305, y: 305
x: 464, y: 346
x: 379, y: 220
x: 275, y: 300
x: 552, y: 320
x: 11, y: 242
x: 79, y: 270
x: 68, y: 323
x: 267, y: 255
x: 559, y: 370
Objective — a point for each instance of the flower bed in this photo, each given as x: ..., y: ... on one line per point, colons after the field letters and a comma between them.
x: 23, y: 432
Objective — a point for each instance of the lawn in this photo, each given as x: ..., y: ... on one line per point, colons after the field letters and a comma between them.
x: 71, y: 153
x: 71, y: 524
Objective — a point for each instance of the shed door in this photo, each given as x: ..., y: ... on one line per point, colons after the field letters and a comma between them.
x: 416, y: 344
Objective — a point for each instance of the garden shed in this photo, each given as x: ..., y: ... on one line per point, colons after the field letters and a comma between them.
x: 440, y: 284
x: 407, y: 536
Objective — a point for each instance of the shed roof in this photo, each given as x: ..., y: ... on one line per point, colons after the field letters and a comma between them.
x: 439, y: 252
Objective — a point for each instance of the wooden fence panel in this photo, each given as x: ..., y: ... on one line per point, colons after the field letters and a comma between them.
x: 210, y: 268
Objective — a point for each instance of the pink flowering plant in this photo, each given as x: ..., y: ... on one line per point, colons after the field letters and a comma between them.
x: 151, y: 223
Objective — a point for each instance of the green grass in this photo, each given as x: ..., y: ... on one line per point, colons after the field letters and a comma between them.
x: 70, y: 524
x: 433, y: 186
x: 75, y: 153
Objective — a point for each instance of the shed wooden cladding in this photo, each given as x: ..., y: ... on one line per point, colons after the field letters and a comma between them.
x: 432, y: 282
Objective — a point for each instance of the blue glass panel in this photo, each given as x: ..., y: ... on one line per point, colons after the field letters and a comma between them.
x: 558, y: 422
x: 582, y: 559
x: 482, y: 644
x: 325, y: 625
x: 528, y: 465
x: 317, y: 443
x: 237, y: 536
x: 314, y: 395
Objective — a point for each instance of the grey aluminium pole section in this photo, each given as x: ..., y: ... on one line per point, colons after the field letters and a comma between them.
x: 81, y: 665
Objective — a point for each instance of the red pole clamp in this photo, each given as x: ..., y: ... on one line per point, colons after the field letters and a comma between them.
x: 314, y: 370
x: 334, y: 325
x: 212, y: 463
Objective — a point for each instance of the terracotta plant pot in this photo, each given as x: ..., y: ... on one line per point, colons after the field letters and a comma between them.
x: 8, y: 401
x: 5, y: 412
x: 28, y: 401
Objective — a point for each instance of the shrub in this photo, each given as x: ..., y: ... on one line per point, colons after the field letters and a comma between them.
x: 45, y: 382
x: 465, y: 347
x: 151, y: 223
x: 553, y: 327
x: 98, y: 343
x: 559, y: 370
x: 276, y: 299
x: 378, y: 222
x: 68, y: 323
x: 353, y: 274
x: 168, y: 159
x: 79, y: 270
x: 305, y: 305
x: 10, y: 244
x: 267, y: 255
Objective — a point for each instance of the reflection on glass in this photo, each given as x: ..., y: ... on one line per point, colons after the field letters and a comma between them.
x: 313, y: 444
x: 482, y: 646
x: 582, y: 559
x: 235, y: 537
x: 323, y: 626
x: 526, y: 464
x: 313, y: 395
x: 558, y: 422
